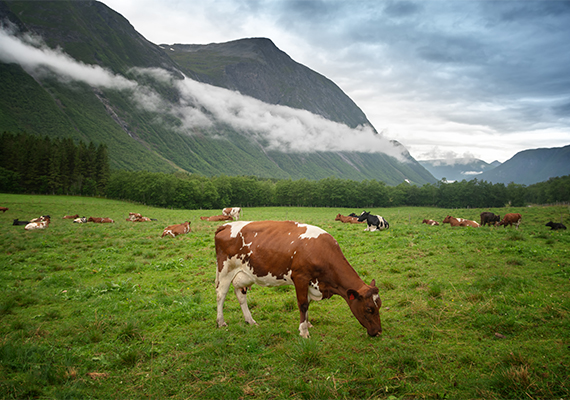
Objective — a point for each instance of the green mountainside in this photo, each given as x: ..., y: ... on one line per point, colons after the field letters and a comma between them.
x: 153, y: 139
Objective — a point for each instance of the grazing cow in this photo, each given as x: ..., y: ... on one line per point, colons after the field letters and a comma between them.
x: 100, y: 220
x: 430, y: 222
x: 460, y: 222
x: 4, y: 209
x: 554, y: 226
x: 71, y: 216
x: 347, y: 219
x: 275, y: 253
x: 41, y: 224
x: 80, y: 220
x: 233, y: 212
x: 17, y: 222
x: 510, y: 219
x: 374, y: 222
x: 489, y: 218
x: 175, y: 230
x: 217, y: 218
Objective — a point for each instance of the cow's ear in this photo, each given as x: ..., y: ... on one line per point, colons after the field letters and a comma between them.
x: 352, y: 294
x: 373, y: 283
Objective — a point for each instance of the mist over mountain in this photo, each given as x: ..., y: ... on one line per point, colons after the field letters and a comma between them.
x: 458, y: 169
x: 80, y: 70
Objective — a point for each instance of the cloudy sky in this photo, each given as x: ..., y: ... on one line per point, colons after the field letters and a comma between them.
x: 447, y: 78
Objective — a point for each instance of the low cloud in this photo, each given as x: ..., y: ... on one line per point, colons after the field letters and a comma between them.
x: 447, y: 157
x: 203, y: 106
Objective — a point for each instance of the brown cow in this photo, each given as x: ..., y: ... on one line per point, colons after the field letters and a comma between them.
x: 71, y: 216
x: 460, y: 222
x: 100, y: 220
x: 346, y: 219
x: 430, y: 222
x: 4, y: 209
x: 275, y: 253
x: 510, y: 219
x: 217, y: 218
x: 233, y: 212
x: 175, y: 230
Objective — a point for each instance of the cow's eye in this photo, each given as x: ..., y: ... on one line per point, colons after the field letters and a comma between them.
x: 369, y: 310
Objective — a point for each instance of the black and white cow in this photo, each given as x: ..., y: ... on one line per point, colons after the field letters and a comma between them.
x: 374, y: 222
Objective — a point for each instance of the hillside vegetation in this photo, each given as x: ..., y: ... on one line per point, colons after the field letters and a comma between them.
x: 114, y: 311
x: 143, y: 127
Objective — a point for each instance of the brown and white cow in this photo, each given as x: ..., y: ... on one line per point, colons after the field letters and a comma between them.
x: 71, y: 216
x: 460, y: 222
x: 430, y: 222
x: 217, y: 218
x: 175, y: 230
x: 233, y: 212
x: 275, y: 253
x: 42, y: 223
x: 100, y: 220
x: 510, y: 219
x: 347, y: 219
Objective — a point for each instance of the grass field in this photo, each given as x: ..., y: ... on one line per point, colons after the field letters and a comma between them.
x: 115, y: 311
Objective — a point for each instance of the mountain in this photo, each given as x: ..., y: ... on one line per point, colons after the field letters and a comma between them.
x: 458, y: 169
x: 531, y: 166
x: 238, y: 108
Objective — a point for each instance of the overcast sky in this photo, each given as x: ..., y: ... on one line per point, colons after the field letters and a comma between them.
x: 447, y: 79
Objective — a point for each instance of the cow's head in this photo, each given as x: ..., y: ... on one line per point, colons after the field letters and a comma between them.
x: 363, y: 216
x: 365, y: 305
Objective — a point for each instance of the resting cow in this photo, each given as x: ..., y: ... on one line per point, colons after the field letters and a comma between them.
x: 41, y: 224
x: 71, y: 216
x: 233, y: 212
x: 80, y: 220
x: 510, y: 219
x: 18, y: 222
x: 175, y: 230
x: 374, y: 222
x: 430, y: 222
x: 554, y: 226
x: 100, y: 220
x: 460, y: 222
x: 347, y: 219
x: 489, y: 218
x: 217, y: 218
x: 275, y: 253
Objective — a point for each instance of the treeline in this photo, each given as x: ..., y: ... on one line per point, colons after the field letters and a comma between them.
x: 187, y: 191
x: 40, y: 165
x: 44, y: 165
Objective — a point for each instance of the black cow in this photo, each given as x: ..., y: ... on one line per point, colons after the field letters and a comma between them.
x: 489, y: 218
x: 374, y: 222
x: 554, y: 226
x: 353, y: 215
x: 17, y: 222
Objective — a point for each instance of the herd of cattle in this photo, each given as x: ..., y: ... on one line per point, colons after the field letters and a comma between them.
x: 490, y: 219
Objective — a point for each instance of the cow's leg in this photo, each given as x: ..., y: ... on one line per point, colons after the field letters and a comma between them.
x: 302, y: 292
x: 241, y: 282
x: 241, y: 294
x: 223, y: 281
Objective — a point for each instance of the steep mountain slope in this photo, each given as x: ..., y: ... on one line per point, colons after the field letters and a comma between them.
x: 531, y: 166
x: 149, y: 119
x: 257, y: 68
x: 458, y: 169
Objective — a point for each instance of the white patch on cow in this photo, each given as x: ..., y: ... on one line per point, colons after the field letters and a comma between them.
x: 375, y: 298
x: 311, y: 231
x: 304, y: 329
x: 236, y: 227
x: 314, y: 291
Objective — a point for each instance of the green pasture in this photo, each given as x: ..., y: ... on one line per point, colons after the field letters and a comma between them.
x: 114, y: 311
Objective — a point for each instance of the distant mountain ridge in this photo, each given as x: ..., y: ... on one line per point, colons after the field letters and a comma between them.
x: 151, y: 138
x: 531, y: 166
x: 458, y: 169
